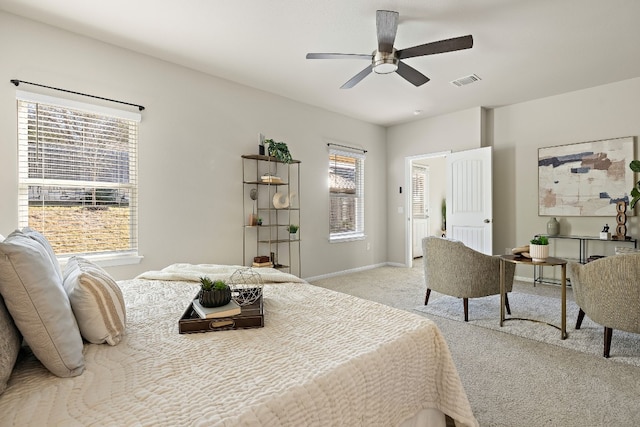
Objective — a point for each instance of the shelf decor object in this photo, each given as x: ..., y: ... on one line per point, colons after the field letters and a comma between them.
x: 553, y: 227
x: 584, y: 179
x: 279, y: 150
x: 621, y: 220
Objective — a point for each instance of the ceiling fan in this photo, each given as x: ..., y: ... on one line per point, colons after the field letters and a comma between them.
x: 386, y: 59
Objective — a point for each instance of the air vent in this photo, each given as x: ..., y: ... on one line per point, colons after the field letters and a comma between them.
x: 467, y: 80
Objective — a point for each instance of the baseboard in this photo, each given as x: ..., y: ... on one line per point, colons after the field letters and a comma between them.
x: 343, y: 272
x: 523, y: 279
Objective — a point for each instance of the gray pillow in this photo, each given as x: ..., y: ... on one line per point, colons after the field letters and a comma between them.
x: 33, y: 293
x: 10, y: 341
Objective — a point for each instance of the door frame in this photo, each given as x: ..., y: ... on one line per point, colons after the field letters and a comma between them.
x: 408, y: 184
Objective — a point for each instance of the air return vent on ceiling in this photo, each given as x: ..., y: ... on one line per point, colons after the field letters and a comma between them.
x: 467, y: 80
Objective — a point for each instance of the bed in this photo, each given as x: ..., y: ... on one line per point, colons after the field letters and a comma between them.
x: 323, y: 358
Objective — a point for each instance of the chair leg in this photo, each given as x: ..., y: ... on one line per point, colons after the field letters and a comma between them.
x: 465, y: 303
x: 608, y: 332
x: 580, y: 319
x: 426, y: 298
x: 506, y: 303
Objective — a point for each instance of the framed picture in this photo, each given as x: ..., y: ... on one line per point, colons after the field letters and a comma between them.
x: 585, y: 179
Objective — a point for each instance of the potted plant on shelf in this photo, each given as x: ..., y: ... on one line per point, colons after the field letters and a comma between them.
x: 292, y: 229
x: 279, y: 150
x: 213, y: 293
x: 539, y: 248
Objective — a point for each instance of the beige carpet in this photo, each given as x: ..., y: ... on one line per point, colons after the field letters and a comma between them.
x: 511, y: 380
x: 625, y: 347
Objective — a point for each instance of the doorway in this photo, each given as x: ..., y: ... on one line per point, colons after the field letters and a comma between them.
x: 466, y: 179
x: 424, y: 205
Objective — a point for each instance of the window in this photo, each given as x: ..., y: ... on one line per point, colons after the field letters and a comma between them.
x: 77, y: 175
x: 346, y: 195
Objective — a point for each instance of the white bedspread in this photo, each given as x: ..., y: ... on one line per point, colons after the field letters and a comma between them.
x: 322, y: 359
x: 193, y: 273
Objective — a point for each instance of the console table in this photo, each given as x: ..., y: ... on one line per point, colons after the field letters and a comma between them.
x: 583, y: 252
x: 551, y: 262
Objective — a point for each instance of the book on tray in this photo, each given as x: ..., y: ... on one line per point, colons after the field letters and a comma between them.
x: 228, y: 310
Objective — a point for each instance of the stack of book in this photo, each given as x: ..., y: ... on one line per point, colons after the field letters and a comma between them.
x: 262, y: 264
x: 262, y: 261
x: 228, y: 310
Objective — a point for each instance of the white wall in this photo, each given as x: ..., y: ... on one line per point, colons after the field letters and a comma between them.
x: 462, y: 130
x: 608, y: 111
x: 193, y: 132
x: 196, y: 127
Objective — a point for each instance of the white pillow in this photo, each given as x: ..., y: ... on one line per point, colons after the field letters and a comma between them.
x: 1, y: 238
x: 96, y: 301
x: 38, y: 237
x: 39, y: 305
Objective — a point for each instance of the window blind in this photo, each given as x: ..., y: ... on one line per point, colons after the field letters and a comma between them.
x: 418, y: 202
x: 78, y: 174
x: 346, y: 195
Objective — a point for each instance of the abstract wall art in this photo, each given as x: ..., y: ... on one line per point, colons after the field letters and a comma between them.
x: 585, y: 179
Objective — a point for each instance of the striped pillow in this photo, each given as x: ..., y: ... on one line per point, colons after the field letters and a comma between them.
x: 96, y: 301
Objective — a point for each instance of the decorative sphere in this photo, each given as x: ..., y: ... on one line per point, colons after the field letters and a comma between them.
x: 246, y: 286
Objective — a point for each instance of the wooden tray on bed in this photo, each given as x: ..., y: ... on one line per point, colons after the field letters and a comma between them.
x: 252, y: 316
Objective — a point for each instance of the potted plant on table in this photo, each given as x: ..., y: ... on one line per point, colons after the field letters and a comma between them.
x: 539, y: 248
x: 213, y: 293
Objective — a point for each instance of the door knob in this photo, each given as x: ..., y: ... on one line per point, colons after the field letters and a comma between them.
x: 487, y: 221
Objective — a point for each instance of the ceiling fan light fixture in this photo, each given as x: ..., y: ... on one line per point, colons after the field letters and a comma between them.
x: 385, y: 62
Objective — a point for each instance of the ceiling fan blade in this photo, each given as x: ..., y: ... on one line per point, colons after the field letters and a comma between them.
x: 338, y: 56
x: 411, y: 75
x: 442, y: 46
x: 387, y: 27
x: 356, y: 79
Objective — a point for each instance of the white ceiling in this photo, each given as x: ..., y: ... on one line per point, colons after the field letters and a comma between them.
x: 523, y: 49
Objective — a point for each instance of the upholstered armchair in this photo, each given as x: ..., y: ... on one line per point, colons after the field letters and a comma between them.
x: 608, y: 291
x: 452, y: 268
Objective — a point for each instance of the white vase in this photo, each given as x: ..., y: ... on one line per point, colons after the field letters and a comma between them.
x: 293, y: 236
x: 539, y: 253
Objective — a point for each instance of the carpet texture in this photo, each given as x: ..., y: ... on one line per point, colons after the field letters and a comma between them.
x: 510, y: 380
x: 485, y: 312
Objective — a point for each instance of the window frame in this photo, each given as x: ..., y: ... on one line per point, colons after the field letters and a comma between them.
x: 358, y: 158
x: 104, y: 258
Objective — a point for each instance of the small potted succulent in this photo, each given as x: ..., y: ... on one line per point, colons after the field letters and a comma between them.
x: 213, y: 293
x: 292, y: 229
x: 539, y: 248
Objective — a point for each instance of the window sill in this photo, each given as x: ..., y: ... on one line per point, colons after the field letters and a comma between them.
x: 346, y: 238
x: 110, y: 260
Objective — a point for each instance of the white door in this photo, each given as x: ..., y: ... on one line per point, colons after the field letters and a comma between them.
x: 469, y: 199
x: 419, y: 207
